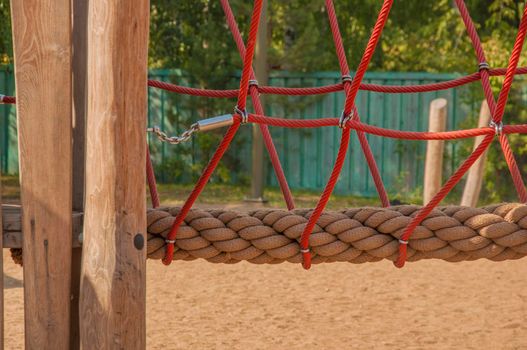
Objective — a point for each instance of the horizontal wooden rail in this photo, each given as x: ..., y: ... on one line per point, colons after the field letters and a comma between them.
x: 12, y: 227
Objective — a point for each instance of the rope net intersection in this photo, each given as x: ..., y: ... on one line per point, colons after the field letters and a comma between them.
x: 349, y: 120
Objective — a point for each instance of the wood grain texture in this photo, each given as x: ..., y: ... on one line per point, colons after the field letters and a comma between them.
x: 475, y: 173
x: 113, y: 280
x: 12, y: 227
x: 42, y: 50
x: 434, y: 150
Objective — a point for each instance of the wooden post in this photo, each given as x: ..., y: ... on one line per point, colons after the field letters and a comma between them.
x: 79, y: 62
x: 434, y: 150
x: 262, y: 75
x: 475, y: 174
x: 42, y: 50
x: 113, y: 274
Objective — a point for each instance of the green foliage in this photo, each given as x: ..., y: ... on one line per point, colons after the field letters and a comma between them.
x: 420, y: 36
x: 6, y: 46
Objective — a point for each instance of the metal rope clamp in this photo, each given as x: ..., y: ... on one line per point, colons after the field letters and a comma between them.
x: 253, y: 82
x: 243, y: 113
x: 346, y: 78
x: 345, y: 118
x: 483, y: 66
x: 498, y: 127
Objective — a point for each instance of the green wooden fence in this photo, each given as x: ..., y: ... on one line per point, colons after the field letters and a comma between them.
x: 307, y: 155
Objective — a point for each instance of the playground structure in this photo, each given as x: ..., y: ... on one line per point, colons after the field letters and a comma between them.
x: 98, y: 72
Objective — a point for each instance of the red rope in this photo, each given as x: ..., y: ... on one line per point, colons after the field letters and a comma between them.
x: 351, y: 88
x: 255, y: 97
x: 349, y: 106
x: 151, y: 179
x: 497, y: 117
x: 224, y: 144
x: 320, y: 90
x: 344, y: 69
x: 489, y: 96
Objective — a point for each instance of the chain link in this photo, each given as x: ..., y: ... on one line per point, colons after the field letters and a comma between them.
x: 174, y: 140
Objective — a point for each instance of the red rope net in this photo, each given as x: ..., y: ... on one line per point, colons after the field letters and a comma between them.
x: 350, y: 119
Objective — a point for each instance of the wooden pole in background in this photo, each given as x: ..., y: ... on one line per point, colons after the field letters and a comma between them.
x: 42, y: 50
x: 475, y: 174
x: 434, y: 150
x: 113, y: 274
x: 262, y: 75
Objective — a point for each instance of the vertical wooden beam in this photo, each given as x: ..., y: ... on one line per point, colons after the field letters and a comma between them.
x: 434, y: 150
x: 42, y: 50
x: 262, y: 75
x: 475, y: 174
x: 79, y: 62
x: 113, y: 274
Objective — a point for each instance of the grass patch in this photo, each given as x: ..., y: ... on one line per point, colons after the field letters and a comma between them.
x: 171, y: 194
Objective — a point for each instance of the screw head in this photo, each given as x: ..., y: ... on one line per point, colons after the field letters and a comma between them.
x: 139, y: 241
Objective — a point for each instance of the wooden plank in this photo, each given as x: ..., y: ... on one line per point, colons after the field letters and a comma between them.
x: 113, y: 274
x: 475, y: 174
x: 42, y: 51
x: 80, y: 65
x: 12, y: 227
x: 434, y: 150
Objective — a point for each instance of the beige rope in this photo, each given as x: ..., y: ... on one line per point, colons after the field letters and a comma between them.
x: 356, y: 235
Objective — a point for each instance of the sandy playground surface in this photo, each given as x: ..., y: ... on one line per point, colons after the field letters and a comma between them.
x: 426, y: 305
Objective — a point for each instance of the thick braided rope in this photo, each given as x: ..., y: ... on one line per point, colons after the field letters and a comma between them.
x: 357, y: 235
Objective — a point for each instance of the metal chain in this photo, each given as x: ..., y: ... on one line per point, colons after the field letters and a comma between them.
x: 174, y: 140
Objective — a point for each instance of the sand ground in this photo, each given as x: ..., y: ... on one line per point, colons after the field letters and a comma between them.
x: 427, y: 305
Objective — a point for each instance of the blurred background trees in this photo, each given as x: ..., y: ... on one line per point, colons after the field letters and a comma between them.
x: 420, y: 36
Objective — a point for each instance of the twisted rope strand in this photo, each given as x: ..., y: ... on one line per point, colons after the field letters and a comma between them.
x: 355, y: 235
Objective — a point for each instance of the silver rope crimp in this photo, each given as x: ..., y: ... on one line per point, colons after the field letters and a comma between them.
x: 174, y: 140
x: 402, y: 241
x: 243, y: 113
x: 483, y: 66
x: 346, y: 78
x: 253, y: 82
x: 345, y: 118
x: 498, y: 127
